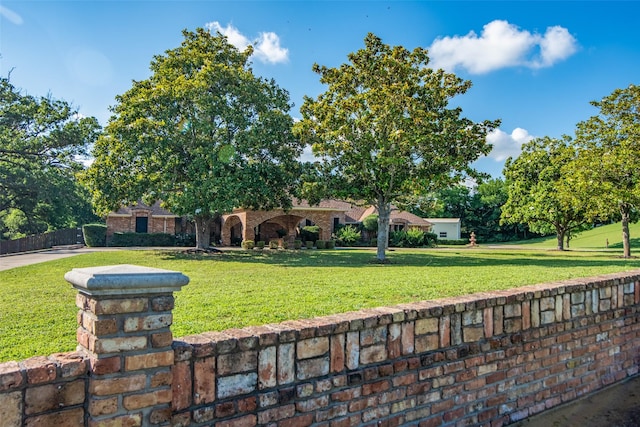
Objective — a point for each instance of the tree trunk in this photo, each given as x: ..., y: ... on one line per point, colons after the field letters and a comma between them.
x: 560, y: 238
x: 625, y: 212
x: 384, y: 212
x: 203, y: 234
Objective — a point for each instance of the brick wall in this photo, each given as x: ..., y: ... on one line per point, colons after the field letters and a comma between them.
x: 483, y: 359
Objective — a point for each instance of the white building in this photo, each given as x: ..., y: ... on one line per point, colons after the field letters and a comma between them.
x: 445, y: 228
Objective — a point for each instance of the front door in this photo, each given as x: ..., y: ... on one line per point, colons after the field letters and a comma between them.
x: 142, y: 224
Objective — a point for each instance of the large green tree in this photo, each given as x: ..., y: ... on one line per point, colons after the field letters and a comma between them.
x: 203, y: 134
x: 384, y: 129
x: 607, y: 170
x: 539, y: 192
x: 41, y: 140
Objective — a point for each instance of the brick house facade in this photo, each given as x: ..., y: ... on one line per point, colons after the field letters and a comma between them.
x: 247, y: 224
x: 141, y: 219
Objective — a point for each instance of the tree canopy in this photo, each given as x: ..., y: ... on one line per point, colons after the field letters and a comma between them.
x: 384, y: 129
x: 539, y: 193
x: 606, y: 171
x: 40, y: 141
x: 203, y: 134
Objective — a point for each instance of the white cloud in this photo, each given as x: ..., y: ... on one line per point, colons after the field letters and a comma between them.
x: 507, y: 145
x: 501, y: 45
x: 11, y: 16
x: 266, y: 48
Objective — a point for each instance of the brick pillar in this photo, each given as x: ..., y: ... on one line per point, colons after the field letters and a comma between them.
x: 124, y: 320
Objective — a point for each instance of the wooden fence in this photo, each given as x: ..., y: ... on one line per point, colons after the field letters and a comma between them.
x: 68, y: 236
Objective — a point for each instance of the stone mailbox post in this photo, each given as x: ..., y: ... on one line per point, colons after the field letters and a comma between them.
x: 124, y: 320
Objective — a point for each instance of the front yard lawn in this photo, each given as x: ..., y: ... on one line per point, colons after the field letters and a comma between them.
x: 237, y: 289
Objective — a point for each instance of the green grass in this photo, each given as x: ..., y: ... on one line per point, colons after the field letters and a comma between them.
x: 595, y: 238
x: 235, y: 289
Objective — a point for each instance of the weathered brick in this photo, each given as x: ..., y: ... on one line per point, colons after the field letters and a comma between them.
x: 313, y: 347
x: 225, y: 409
x: 312, y: 368
x: 338, y: 356
x: 148, y: 323
x: 149, y: 360
x: 376, y: 387
x: 118, y: 385
x: 117, y: 345
x: 39, y: 370
x: 373, y: 354
x: 69, y: 418
x: 146, y: 400
x: 353, y: 350
x: 236, y: 385
x: 11, y: 409
x: 53, y: 396
x: 314, y: 404
x: 118, y: 306
x: 103, y: 406
x: 394, y: 344
x: 70, y: 365
x: 161, y: 378
x: 424, y: 343
x: 163, y: 303
x: 372, y: 336
x: 99, y: 327
x: 10, y: 375
x: 108, y: 365
x: 247, y: 404
x: 472, y: 317
x: 246, y: 421
x: 181, y: 385
x: 407, y: 339
x: 204, y: 380
x: 160, y: 416
x: 276, y: 414
x: 286, y: 363
x: 130, y: 420
x: 429, y: 325
x: 472, y: 334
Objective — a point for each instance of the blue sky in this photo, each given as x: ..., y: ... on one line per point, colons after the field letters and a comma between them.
x: 534, y: 65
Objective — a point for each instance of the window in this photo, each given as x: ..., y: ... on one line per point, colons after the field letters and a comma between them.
x: 443, y: 234
x: 336, y: 223
x: 142, y: 224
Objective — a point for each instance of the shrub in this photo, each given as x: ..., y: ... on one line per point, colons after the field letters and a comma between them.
x: 374, y: 242
x: 457, y: 242
x: 331, y: 244
x: 185, y: 239
x: 95, y: 234
x: 397, y: 238
x: 348, y: 235
x: 431, y: 239
x: 260, y: 244
x: 310, y: 233
x: 413, y: 238
x: 321, y: 244
x: 370, y: 223
x: 142, y: 239
x: 248, y: 245
x: 273, y: 244
x: 297, y: 244
x: 309, y: 244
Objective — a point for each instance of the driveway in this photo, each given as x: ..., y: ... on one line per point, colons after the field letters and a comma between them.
x: 26, y: 258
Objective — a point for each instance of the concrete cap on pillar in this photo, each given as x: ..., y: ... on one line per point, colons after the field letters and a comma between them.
x: 125, y: 279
